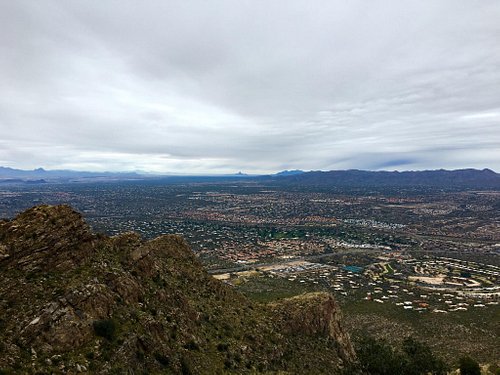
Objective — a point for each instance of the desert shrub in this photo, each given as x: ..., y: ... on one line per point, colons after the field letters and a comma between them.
x: 378, y: 357
x: 105, y: 328
x: 421, y: 359
x: 192, y: 345
x: 222, y: 347
x: 469, y: 366
x: 186, y: 366
x: 162, y: 359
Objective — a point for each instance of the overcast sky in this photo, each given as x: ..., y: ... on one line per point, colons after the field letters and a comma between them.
x: 257, y: 86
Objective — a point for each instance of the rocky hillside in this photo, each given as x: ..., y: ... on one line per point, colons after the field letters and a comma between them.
x: 74, y: 301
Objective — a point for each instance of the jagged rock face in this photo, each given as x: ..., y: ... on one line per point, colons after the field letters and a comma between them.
x: 46, y: 237
x: 316, y: 314
x: 72, y: 301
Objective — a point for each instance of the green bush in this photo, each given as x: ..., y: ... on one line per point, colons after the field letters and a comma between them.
x: 414, y: 358
x: 105, y: 328
x: 162, y: 359
x: 186, y: 366
x: 469, y: 366
x: 421, y: 360
x: 222, y: 347
x: 378, y: 357
x: 192, y: 345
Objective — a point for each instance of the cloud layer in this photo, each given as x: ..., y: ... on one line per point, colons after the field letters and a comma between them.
x: 258, y: 86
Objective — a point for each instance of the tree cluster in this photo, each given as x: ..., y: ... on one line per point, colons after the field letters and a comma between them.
x: 378, y: 357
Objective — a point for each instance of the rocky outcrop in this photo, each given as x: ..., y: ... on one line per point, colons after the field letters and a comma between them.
x: 315, y: 314
x: 73, y: 301
x: 46, y: 238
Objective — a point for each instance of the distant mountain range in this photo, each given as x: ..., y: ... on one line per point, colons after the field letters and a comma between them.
x: 460, y: 178
x: 41, y: 175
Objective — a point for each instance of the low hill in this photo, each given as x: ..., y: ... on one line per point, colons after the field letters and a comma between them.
x: 75, y: 301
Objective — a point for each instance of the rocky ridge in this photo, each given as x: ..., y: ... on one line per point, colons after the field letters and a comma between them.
x: 74, y: 301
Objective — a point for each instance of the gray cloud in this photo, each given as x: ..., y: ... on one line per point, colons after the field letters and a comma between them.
x: 256, y: 86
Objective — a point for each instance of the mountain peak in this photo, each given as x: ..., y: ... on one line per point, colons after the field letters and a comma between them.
x: 46, y: 237
x: 290, y: 172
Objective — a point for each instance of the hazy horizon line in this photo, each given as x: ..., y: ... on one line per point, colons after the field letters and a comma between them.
x: 240, y: 172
